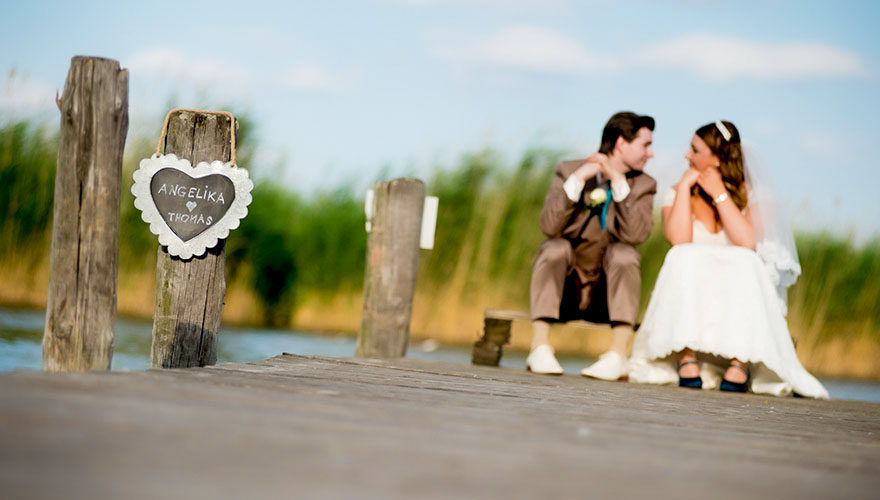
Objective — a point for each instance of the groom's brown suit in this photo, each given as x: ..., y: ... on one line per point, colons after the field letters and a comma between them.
x: 583, y: 271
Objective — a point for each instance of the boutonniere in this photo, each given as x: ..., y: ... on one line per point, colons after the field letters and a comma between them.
x: 598, y: 196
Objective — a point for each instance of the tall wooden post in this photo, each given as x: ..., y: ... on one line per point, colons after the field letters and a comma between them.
x: 392, y: 264
x: 189, y: 293
x: 81, y: 306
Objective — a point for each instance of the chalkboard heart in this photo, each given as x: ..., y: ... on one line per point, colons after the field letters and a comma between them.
x: 190, y: 208
x: 175, y: 194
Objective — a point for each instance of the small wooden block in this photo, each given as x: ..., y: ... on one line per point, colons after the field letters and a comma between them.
x: 496, y: 333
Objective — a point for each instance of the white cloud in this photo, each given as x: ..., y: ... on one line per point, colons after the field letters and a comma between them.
x: 23, y: 94
x: 311, y: 77
x: 223, y: 77
x: 506, y: 4
x: 158, y: 61
x: 825, y: 145
x: 264, y: 39
x: 527, y: 48
x: 768, y: 127
x: 718, y: 58
x: 234, y: 80
x: 724, y: 58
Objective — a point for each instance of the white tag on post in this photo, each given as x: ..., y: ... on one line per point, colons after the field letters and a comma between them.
x: 429, y: 218
x: 429, y: 222
x: 369, y: 209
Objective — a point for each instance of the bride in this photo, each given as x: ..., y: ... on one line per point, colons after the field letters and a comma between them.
x: 716, y: 317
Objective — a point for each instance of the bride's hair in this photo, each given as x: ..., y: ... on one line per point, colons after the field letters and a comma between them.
x: 730, y: 155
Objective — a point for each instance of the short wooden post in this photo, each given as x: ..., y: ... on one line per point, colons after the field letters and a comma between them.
x: 392, y: 265
x: 81, y: 305
x: 189, y: 293
x: 496, y: 333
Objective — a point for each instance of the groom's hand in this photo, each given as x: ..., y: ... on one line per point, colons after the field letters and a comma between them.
x: 609, y: 172
x: 591, y: 166
x: 594, y: 164
x: 600, y: 158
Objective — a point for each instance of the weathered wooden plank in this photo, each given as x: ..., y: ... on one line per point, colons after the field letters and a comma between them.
x: 403, y: 428
x: 392, y: 265
x: 190, y: 293
x: 81, y: 304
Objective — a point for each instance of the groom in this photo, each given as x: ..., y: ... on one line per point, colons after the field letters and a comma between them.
x: 595, y: 213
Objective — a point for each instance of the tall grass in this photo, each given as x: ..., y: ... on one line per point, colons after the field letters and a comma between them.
x: 838, y: 295
x: 292, y: 249
x: 27, y: 188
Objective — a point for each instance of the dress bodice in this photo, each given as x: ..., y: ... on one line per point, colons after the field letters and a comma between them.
x: 699, y: 233
x: 702, y: 236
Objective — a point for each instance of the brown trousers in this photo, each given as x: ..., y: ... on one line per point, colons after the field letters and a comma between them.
x: 564, y: 289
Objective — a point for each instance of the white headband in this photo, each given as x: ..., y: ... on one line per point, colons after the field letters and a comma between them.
x: 724, y: 132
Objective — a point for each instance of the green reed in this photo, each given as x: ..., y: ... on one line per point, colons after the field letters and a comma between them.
x: 838, y: 294
x: 290, y: 247
x: 27, y: 188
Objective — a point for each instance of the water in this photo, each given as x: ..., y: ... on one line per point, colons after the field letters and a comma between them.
x: 21, y: 334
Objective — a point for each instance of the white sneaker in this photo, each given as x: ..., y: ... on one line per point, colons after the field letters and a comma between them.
x: 611, y: 366
x: 541, y: 360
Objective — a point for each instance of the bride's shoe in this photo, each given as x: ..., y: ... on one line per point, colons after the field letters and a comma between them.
x: 727, y: 385
x: 692, y: 382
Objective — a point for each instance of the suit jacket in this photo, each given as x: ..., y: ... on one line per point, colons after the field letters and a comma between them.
x: 629, y: 221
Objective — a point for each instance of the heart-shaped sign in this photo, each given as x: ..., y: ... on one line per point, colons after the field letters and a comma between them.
x: 177, y: 196
x: 190, y: 208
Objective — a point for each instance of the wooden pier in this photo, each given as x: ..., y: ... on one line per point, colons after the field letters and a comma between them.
x: 307, y: 427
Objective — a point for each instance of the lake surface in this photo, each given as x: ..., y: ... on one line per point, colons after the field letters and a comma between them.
x: 21, y: 335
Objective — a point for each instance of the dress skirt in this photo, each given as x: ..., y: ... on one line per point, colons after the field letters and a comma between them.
x: 719, y: 301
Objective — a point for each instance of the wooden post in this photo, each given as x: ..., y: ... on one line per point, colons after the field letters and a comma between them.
x: 496, y: 333
x: 392, y: 265
x: 81, y: 305
x: 189, y: 293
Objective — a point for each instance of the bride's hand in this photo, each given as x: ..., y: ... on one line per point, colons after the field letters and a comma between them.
x: 689, y: 178
x: 710, y: 181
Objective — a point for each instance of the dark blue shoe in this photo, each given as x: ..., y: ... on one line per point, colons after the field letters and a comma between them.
x: 727, y: 385
x: 692, y: 382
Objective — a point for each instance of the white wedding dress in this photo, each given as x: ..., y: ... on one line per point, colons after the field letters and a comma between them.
x: 718, y: 299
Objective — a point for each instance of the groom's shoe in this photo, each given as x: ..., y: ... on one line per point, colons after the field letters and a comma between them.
x: 541, y: 360
x: 611, y: 366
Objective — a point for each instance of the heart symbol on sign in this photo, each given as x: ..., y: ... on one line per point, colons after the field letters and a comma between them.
x: 173, y: 191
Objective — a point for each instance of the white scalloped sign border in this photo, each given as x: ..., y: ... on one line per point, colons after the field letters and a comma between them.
x: 209, y: 238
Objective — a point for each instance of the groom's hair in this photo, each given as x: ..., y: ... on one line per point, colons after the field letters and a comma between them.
x: 625, y: 124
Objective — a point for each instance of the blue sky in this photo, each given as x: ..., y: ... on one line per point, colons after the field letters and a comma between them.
x: 342, y: 91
